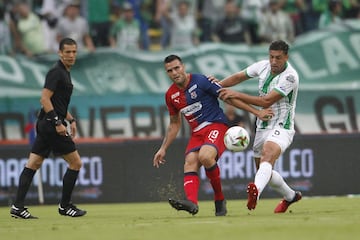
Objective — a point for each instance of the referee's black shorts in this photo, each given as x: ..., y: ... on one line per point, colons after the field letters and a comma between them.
x: 48, y: 140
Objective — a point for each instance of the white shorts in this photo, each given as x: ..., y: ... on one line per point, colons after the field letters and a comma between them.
x: 280, y: 136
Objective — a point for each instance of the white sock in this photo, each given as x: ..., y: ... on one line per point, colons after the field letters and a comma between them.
x: 278, y: 184
x: 263, y: 176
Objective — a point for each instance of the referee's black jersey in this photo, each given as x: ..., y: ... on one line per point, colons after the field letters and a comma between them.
x: 58, y: 80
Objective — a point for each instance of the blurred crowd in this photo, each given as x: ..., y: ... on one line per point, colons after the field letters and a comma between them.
x: 34, y: 27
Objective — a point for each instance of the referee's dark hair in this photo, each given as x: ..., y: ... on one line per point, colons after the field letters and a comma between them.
x: 279, y: 45
x: 66, y: 41
x: 171, y: 58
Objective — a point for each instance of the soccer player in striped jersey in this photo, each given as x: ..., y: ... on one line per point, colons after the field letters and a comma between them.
x: 194, y: 96
x: 278, y: 89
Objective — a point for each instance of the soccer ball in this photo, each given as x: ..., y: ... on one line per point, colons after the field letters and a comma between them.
x: 236, y: 139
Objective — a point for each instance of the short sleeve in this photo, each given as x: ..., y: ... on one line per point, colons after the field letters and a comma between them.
x: 255, y: 69
x: 286, y: 84
x: 210, y: 87
x: 172, y: 110
x: 52, y: 79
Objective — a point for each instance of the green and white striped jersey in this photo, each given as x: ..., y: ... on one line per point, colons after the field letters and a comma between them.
x: 286, y: 83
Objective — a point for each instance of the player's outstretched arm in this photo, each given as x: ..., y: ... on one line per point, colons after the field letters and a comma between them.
x: 261, y: 101
x: 263, y: 114
x: 231, y: 80
x: 234, y: 79
x: 170, y: 135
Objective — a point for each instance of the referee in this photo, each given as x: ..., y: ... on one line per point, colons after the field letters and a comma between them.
x: 52, y: 135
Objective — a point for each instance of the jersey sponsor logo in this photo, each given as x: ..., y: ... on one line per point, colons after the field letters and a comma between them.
x: 283, y: 88
x: 175, y: 95
x: 290, y: 78
x: 192, y: 88
x: 191, y: 109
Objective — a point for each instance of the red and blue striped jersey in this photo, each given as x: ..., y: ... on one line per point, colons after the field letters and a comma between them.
x: 198, y: 102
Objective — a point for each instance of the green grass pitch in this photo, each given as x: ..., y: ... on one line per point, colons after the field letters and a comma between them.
x: 312, y: 218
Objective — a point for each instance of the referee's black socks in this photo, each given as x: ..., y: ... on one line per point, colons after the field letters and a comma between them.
x: 69, y: 181
x: 25, y: 180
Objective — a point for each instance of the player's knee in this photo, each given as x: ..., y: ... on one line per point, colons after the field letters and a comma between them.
x: 267, y: 159
x: 269, y: 156
x: 206, y: 161
x: 75, y: 165
x: 202, y: 159
x: 34, y: 165
x: 78, y: 164
x: 191, y: 166
x: 34, y: 162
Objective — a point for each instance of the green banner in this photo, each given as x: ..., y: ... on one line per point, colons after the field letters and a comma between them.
x: 324, y: 60
x: 127, y: 86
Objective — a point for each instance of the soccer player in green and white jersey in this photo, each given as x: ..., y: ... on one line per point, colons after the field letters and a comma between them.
x: 278, y: 88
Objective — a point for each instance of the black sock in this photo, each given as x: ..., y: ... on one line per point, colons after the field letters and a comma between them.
x: 69, y: 181
x: 25, y: 180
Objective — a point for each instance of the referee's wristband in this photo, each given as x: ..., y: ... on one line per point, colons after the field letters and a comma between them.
x: 72, y: 120
x: 52, y: 115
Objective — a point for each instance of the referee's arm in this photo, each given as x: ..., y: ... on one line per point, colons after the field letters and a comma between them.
x: 45, y: 100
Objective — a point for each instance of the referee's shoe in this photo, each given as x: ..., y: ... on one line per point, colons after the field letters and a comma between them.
x: 21, y: 213
x: 71, y: 210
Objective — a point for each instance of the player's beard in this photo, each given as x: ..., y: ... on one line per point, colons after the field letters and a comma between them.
x: 180, y: 80
x: 276, y: 69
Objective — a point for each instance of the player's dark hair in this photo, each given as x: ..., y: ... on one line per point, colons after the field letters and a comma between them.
x: 66, y: 41
x: 171, y: 58
x: 279, y: 45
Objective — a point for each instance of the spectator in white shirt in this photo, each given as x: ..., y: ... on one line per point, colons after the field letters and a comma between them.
x: 276, y: 24
x: 74, y: 26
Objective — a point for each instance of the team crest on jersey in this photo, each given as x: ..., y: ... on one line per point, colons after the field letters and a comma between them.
x: 175, y: 95
x: 193, y: 95
x: 290, y: 78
